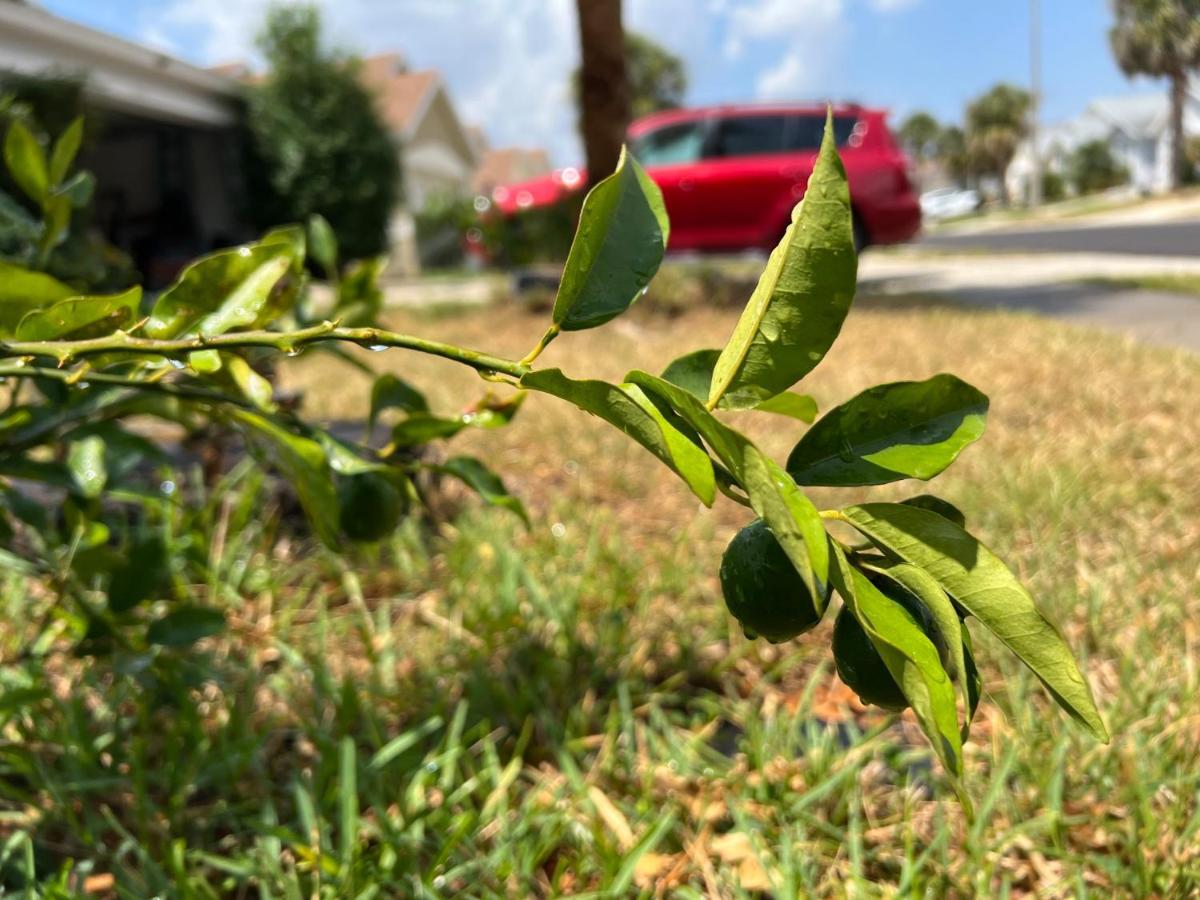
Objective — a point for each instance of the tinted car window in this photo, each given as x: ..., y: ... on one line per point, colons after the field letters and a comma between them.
x: 671, y: 144
x: 749, y: 136
x: 806, y: 131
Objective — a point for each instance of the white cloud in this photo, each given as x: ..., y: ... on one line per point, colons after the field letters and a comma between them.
x: 887, y: 6
x: 507, y: 63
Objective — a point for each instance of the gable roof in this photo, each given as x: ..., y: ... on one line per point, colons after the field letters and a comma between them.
x: 404, y: 97
x: 509, y: 165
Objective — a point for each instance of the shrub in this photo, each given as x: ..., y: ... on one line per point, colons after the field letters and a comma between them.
x: 317, y: 145
x: 909, y: 573
x: 1092, y: 167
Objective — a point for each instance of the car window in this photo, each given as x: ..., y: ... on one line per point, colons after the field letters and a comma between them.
x: 807, y: 130
x: 749, y: 136
x: 679, y: 143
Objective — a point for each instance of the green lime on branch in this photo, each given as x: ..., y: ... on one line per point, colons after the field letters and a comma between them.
x: 762, y: 588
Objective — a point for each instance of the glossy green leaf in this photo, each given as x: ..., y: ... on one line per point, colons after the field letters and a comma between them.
x: 26, y: 161
x: 85, y: 460
x: 484, y: 482
x: 392, y: 392
x: 184, y: 626
x: 793, y: 405
x: 618, y: 245
x: 322, y: 244
x: 23, y: 290
x: 617, y: 407
x: 243, y: 307
x: 65, y: 150
x: 943, y: 508
x: 253, y: 386
x: 946, y: 625
x: 792, y: 517
x: 492, y: 411
x: 908, y: 429
x: 56, y: 214
x: 910, y: 657
x: 986, y: 589
x: 206, y: 287
x: 693, y: 372
x: 801, y: 300
x: 77, y: 318
x: 303, y: 463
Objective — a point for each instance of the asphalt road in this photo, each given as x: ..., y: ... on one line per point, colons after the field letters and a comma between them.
x: 1157, y: 239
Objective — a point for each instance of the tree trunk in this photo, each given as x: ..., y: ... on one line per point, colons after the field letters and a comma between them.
x: 1178, y: 97
x: 603, y: 85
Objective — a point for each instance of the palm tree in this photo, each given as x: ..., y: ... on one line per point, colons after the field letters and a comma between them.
x: 603, y: 85
x: 1160, y: 38
x: 996, y: 123
x: 918, y: 134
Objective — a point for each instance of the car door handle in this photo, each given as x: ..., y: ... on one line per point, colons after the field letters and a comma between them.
x: 686, y: 184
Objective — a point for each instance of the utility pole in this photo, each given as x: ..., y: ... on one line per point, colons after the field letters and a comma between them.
x: 1035, y: 101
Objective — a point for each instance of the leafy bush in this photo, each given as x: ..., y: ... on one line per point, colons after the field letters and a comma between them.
x: 1092, y: 167
x: 317, y: 144
x: 1054, y: 186
x: 908, y: 574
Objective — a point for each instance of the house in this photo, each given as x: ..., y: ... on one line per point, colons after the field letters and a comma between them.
x: 439, y: 154
x: 166, y: 158
x: 1136, y: 127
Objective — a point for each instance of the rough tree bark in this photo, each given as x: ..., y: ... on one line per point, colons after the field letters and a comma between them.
x: 604, y: 85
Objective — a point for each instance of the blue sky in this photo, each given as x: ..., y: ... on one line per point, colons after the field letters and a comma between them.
x: 507, y: 61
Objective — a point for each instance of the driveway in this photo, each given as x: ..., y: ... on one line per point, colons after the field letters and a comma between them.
x: 1180, y: 238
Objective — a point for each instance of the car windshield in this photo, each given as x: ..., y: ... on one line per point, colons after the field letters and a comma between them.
x: 678, y: 143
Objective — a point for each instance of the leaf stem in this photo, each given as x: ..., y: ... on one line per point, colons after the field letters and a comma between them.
x: 284, y: 341
x: 551, y: 333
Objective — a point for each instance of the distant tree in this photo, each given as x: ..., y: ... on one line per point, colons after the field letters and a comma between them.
x: 604, y: 99
x: 657, y: 77
x: 950, y: 149
x: 919, y: 134
x: 996, y: 122
x: 1160, y: 38
x: 318, y: 144
x: 1092, y: 167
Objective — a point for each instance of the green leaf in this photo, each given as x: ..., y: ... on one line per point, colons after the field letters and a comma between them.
x: 796, y: 406
x: 943, y: 508
x: 946, y: 625
x: 244, y: 306
x: 618, y: 245
x: 78, y: 189
x: 303, y: 463
x: 185, y: 625
x: 145, y: 572
x: 908, y: 429
x: 801, y: 300
x: 491, y: 411
x: 56, y: 214
x: 484, y: 482
x: 23, y: 290
x: 78, y: 318
x: 322, y: 245
x: 26, y: 161
x: 359, y: 298
x: 693, y: 372
x: 207, y: 285
x: 773, y: 495
x: 253, y: 386
x: 85, y: 459
x: 65, y: 150
x: 392, y: 392
x: 986, y: 589
x: 910, y: 657
x: 421, y: 428
x: 621, y: 409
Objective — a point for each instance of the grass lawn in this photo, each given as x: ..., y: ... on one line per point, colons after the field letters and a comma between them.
x: 570, y: 710
x: 1173, y: 284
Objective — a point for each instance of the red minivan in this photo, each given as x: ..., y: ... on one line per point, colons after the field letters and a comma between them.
x: 730, y: 175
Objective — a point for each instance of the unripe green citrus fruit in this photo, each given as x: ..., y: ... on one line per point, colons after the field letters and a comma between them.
x: 369, y: 506
x: 762, y: 588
